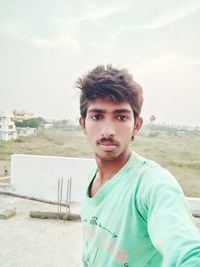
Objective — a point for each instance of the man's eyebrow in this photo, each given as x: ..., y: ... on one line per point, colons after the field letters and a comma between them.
x: 122, y: 110
x: 96, y: 110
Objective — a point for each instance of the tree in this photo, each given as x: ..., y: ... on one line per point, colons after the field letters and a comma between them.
x: 32, y: 123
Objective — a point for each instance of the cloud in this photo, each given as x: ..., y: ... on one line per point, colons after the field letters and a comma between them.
x: 42, y: 42
x: 169, y: 18
x: 176, y: 15
x: 61, y: 30
x: 11, y: 29
x: 96, y: 15
x: 161, y: 21
x: 168, y: 63
x: 62, y: 39
x: 92, y: 14
x: 62, y: 26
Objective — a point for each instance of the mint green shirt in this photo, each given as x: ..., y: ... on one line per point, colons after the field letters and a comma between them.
x: 139, y: 218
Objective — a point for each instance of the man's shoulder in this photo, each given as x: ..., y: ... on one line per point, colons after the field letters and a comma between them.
x: 146, y: 165
x: 152, y: 173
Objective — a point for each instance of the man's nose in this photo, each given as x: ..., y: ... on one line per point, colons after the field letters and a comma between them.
x: 107, y: 130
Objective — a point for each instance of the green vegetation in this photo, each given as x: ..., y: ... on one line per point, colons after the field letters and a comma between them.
x: 176, y: 149
x: 32, y: 123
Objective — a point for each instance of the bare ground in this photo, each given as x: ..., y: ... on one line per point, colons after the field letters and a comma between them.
x: 25, y: 241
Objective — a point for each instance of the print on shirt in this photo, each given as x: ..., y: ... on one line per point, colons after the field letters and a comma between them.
x: 106, y: 243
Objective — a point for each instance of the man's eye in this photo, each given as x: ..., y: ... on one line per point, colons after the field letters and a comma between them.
x: 96, y: 117
x: 122, y: 118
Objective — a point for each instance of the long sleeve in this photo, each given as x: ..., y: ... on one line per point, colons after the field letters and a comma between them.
x: 169, y: 221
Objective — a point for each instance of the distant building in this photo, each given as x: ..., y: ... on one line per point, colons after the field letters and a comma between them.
x: 26, y: 131
x: 21, y: 115
x: 7, y: 128
x: 48, y: 124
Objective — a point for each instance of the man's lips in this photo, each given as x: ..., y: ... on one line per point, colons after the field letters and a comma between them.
x: 107, y: 144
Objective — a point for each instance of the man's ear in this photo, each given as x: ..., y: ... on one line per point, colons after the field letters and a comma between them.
x: 137, y: 125
x: 82, y: 124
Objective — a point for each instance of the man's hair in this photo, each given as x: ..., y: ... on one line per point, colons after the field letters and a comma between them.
x: 107, y: 82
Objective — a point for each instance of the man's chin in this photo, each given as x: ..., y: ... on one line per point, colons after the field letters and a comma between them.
x: 107, y: 156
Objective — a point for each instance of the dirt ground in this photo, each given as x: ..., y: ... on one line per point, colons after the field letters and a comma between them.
x: 30, y: 242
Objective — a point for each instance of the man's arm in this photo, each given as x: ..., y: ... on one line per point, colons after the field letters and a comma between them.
x: 170, y: 224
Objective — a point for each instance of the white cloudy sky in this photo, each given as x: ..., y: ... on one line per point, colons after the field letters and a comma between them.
x: 46, y: 45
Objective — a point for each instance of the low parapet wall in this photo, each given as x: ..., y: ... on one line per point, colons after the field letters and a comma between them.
x: 194, y: 203
x: 37, y: 176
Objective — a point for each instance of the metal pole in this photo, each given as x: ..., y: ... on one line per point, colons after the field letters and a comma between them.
x: 70, y: 189
x: 68, y: 195
x: 58, y: 198
x: 61, y: 189
x: 67, y: 198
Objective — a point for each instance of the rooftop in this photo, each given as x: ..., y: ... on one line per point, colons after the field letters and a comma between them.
x: 31, y: 242
x: 27, y: 241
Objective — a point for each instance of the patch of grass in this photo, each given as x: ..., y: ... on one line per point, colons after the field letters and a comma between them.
x: 180, y: 154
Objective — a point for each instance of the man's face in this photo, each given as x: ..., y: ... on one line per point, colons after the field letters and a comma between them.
x: 109, y: 127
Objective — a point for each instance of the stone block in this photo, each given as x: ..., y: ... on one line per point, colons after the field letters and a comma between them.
x: 7, y: 214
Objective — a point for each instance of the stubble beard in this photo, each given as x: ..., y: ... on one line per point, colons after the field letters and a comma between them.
x: 106, y: 156
x: 109, y: 155
x: 112, y: 155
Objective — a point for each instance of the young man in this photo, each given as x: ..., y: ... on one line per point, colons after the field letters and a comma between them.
x: 134, y: 212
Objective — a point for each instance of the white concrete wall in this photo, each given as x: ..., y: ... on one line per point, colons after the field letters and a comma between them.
x: 37, y: 176
x: 194, y: 203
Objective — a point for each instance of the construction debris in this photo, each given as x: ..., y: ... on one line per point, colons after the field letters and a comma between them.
x: 8, y: 193
x: 196, y: 213
x: 55, y: 215
x: 7, y: 214
x: 67, y: 215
